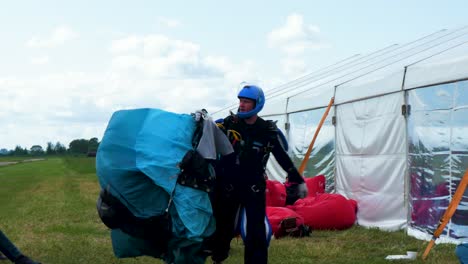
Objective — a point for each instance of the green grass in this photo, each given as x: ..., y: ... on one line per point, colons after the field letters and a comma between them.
x: 48, y: 209
x: 13, y: 158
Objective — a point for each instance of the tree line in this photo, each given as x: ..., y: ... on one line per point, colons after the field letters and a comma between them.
x: 76, y: 146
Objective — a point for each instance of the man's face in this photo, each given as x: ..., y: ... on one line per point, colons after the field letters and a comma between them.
x: 246, y: 104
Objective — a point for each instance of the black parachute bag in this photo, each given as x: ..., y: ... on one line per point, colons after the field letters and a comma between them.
x: 111, y: 211
x: 196, y: 171
x: 292, y: 193
x: 289, y: 227
x: 114, y: 214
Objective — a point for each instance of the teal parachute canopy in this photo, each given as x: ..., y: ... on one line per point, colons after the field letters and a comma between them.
x: 137, y: 162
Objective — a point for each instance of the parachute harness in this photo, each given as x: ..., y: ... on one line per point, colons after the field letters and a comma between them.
x: 234, y: 136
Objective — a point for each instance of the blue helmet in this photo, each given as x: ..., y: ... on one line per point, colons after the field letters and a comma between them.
x: 255, y: 93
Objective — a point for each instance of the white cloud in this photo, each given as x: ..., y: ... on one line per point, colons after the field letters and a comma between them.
x: 62, y: 107
x: 293, y: 67
x: 168, y: 22
x: 219, y: 62
x: 158, y: 56
x: 58, y: 37
x: 295, y: 37
x: 443, y: 93
x: 40, y: 60
x: 9, y: 82
x: 125, y: 44
x: 144, y: 71
x: 127, y: 61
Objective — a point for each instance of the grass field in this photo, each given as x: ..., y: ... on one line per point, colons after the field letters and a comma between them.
x: 48, y: 209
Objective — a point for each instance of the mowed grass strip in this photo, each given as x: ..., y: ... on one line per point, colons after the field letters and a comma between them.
x: 48, y: 209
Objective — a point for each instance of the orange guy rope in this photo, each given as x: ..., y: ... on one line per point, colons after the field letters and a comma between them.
x: 309, y: 150
x: 452, y: 207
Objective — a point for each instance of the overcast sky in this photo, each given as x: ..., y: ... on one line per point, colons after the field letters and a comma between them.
x: 66, y: 66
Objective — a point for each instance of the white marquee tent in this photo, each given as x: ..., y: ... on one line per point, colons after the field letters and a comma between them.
x: 396, y: 139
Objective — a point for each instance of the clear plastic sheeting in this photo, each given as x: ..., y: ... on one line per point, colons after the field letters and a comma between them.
x: 438, y: 157
x: 303, y: 126
x: 275, y: 106
x: 371, y: 159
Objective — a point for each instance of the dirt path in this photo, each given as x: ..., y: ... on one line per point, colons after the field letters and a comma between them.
x: 5, y: 163
x: 31, y: 160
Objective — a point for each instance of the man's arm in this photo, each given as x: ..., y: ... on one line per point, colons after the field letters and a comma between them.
x: 287, y: 165
x: 285, y: 162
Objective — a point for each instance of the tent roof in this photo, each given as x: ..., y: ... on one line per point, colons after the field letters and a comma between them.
x: 436, y: 58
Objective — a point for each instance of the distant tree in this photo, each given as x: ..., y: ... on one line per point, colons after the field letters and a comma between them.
x: 4, y: 151
x: 36, y: 150
x: 93, y: 145
x: 19, y: 151
x: 78, y: 146
x: 59, y: 148
x: 50, y: 149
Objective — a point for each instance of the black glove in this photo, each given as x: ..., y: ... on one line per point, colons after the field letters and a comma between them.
x: 294, y: 176
x: 296, y: 187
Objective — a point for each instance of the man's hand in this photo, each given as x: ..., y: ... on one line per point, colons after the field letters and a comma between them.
x: 200, y: 114
x: 296, y: 187
x: 295, y: 191
x: 302, y: 190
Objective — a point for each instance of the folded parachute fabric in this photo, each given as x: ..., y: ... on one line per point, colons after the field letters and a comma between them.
x: 326, y: 211
x: 142, y: 146
x: 137, y: 162
x: 213, y: 141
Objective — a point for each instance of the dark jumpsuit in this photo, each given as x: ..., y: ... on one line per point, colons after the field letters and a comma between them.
x: 241, y: 182
x: 8, y: 248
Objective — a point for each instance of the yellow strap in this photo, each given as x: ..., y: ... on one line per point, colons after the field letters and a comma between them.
x: 452, y: 207
x: 221, y: 126
x: 236, y: 135
x: 306, y: 157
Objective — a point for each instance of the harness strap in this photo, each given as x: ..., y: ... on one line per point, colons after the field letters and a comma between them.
x: 235, y: 135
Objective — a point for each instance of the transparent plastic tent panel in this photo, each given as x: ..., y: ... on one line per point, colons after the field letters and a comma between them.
x: 438, y: 156
x: 322, y: 159
x: 461, y: 96
x: 274, y: 106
